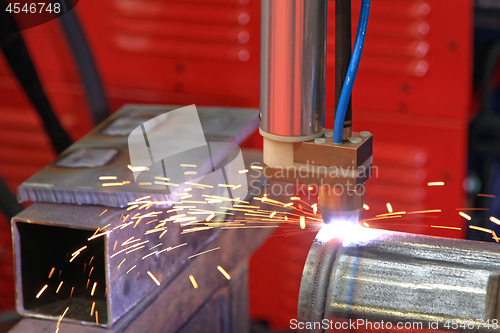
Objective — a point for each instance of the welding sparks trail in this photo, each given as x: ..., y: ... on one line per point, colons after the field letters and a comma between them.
x: 465, y: 216
x: 93, y: 289
x: 42, y: 290
x: 61, y: 318
x: 153, y: 278
x: 193, y: 281
x: 389, y: 207
x: 366, y: 207
x: 223, y: 271
x: 302, y: 222
x: 435, y: 184
x: 198, y: 254
x: 494, y: 220
x: 60, y: 285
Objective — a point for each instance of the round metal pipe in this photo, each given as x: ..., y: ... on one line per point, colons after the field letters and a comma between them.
x: 293, y: 69
x: 374, y: 275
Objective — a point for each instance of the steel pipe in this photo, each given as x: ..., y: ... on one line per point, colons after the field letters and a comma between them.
x: 293, y: 69
x: 356, y: 273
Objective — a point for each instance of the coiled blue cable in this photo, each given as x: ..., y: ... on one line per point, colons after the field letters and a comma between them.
x: 351, y: 72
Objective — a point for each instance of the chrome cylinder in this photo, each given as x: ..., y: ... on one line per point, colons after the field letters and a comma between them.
x: 359, y: 274
x: 293, y: 69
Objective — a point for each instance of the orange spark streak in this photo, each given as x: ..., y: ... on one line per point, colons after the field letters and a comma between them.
x: 195, y: 255
x: 42, y: 290
x: 93, y: 289
x: 223, y: 271
x: 118, y: 265
x: 60, y: 284
x: 154, y: 278
x: 193, y: 281
x: 465, y: 216
x: 302, y: 222
x: 103, y: 212
x: 435, y: 184
x: 389, y: 207
x: 494, y: 220
x: 51, y: 272
x: 443, y: 227
x: 92, y: 309
x: 366, y: 207
x: 131, y: 269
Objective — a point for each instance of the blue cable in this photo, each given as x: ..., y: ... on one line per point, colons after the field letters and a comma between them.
x: 351, y: 72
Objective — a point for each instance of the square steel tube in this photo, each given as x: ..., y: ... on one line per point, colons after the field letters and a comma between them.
x: 49, y: 235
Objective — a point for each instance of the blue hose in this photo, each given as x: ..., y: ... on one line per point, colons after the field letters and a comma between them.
x: 351, y: 72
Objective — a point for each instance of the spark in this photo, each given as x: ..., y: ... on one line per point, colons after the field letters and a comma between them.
x: 88, y: 281
x: 142, y: 198
x: 103, y: 213
x: 99, y: 235
x: 111, y: 184
x: 465, y: 216
x: 61, y: 318
x: 243, y: 171
x: 131, y: 268
x: 92, y: 269
x: 257, y: 167
x: 425, y: 211
x: 79, y: 250
x: 71, y: 294
x: 92, y: 309
x: 96, y: 318
x: 435, y: 184
x: 494, y: 220
x: 302, y: 222
x: 389, y: 214
x: 137, y: 168
x: 288, y: 204
x: 107, y: 177
x: 118, y: 265
x: 60, y: 285
x: 93, y: 289
x: 223, y: 271
x: 202, y: 185
x: 148, y: 255
x: 366, y: 207
x: 154, y: 278
x: 310, y: 188
x: 443, y: 227
x: 389, y: 207
x: 91, y: 260
x: 366, y: 224
x: 294, y: 198
x: 188, y: 165
x: 211, y: 216
x: 187, y: 173
x: 42, y: 290
x: 486, y: 195
x: 145, y: 183
x: 272, y: 214
x: 195, y: 255
x: 163, y: 233
x: 51, y: 272
x: 315, y: 208
x: 156, y: 246
x: 114, y: 246
x: 480, y: 229
x: 193, y: 281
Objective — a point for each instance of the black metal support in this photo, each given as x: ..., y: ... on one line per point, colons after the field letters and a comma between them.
x: 343, y: 50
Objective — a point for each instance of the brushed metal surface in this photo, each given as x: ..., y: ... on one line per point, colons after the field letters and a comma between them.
x: 293, y: 67
x: 380, y: 275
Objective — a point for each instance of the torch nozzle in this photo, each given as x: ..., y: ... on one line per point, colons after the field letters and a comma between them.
x: 345, y: 205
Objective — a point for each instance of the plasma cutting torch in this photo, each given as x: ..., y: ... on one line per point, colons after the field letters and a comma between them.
x: 293, y: 83
x: 355, y: 278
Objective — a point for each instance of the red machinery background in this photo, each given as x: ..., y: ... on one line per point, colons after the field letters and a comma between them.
x: 413, y: 92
